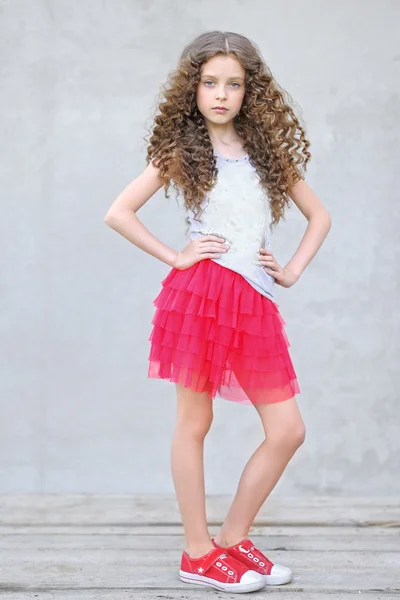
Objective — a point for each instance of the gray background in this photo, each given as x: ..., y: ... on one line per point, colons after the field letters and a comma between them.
x: 79, y: 82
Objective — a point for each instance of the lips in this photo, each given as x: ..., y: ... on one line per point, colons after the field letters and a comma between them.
x: 220, y: 108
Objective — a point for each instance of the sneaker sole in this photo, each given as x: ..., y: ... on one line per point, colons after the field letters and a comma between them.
x: 234, y: 588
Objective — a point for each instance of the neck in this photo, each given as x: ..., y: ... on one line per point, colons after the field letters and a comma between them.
x: 225, y: 134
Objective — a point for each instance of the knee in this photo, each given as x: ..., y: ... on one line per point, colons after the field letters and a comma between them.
x: 290, y: 437
x: 196, y: 426
x: 299, y: 435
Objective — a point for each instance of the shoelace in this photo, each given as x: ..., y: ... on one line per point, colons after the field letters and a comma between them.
x: 228, y: 568
x: 257, y: 556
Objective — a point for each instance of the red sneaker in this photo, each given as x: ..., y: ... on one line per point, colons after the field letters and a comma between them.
x: 253, y: 558
x: 219, y: 570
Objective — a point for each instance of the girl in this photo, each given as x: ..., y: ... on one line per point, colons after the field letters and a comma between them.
x: 228, y: 141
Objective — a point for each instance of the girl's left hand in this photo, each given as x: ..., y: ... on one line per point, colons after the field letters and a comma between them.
x: 282, y: 276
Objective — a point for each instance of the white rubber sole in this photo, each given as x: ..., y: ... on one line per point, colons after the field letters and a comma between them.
x: 234, y: 588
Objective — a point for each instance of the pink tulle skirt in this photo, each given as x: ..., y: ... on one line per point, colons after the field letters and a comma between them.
x: 213, y: 332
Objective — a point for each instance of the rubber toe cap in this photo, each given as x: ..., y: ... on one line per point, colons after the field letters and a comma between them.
x: 251, y: 577
x: 281, y: 573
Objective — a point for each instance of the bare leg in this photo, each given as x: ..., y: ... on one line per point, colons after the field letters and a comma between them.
x: 194, y: 418
x: 285, y: 432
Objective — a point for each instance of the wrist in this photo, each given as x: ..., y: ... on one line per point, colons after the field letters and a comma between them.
x: 295, y: 273
x: 173, y: 260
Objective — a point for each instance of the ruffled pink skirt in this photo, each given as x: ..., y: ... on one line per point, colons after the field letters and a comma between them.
x: 213, y: 332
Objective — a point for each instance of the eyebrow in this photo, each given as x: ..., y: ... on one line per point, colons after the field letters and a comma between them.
x: 214, y: 76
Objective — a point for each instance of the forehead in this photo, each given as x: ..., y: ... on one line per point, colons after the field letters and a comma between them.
x: 222, y: 66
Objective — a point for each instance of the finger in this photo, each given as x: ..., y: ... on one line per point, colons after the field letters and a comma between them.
x: 269, y: 263
x: 275, y: 274
x: 203, y: 256
x: 212, y: 243
x: 214, y: 238
x: 210, y: 249
x: 275, y: 270
x: 268, y: 259
x: 268, y: 256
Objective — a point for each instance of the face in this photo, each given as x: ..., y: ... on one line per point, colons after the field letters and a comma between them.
x: 222, y: 83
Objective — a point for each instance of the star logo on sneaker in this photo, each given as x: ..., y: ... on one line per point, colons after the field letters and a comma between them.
x: 200, y: 570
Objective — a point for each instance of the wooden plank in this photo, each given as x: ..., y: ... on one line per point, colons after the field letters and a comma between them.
x: 105, y: 568
x: 347, y: 539
x: 82, y: 576
x: 145, y: 560
x: 162, y: 509
x: 177, y: 530
x: 191, y: 594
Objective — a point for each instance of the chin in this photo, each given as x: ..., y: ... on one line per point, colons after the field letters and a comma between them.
x: 218, y: 117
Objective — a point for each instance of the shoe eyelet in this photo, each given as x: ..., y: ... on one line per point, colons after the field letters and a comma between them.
x: 262, y: 564
x: 219, y: 564
x: 231, y: 573
x: 224, y: 568
x: 256, y: 559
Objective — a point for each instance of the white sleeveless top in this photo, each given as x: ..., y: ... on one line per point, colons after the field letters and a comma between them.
x: 237, y: 208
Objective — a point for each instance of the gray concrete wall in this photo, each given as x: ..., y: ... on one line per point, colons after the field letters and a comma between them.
x: 78, y: 83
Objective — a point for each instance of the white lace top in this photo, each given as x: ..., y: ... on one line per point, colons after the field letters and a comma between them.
x: 237, y: 208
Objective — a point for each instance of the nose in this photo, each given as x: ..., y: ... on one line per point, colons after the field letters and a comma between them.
x: 221, y: 93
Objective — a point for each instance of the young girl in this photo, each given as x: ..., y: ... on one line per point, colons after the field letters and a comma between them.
x: 228, y: 141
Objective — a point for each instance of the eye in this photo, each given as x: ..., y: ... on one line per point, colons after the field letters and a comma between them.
x: 234, y: 83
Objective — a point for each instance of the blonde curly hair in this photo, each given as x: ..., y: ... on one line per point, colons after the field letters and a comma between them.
x: 266, y: 123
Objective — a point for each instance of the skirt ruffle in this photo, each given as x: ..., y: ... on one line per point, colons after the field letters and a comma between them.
x: 213, y: 332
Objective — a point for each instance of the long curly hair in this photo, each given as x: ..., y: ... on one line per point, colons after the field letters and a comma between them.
x: 271, y: 133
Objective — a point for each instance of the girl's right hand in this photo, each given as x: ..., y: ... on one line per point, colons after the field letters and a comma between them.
x: 207, y: 246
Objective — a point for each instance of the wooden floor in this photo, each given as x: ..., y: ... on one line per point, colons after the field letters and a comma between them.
x: 86, y: 547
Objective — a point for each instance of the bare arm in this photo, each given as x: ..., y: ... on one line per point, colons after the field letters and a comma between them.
x: 319, y: 224
x: 121, y: 216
